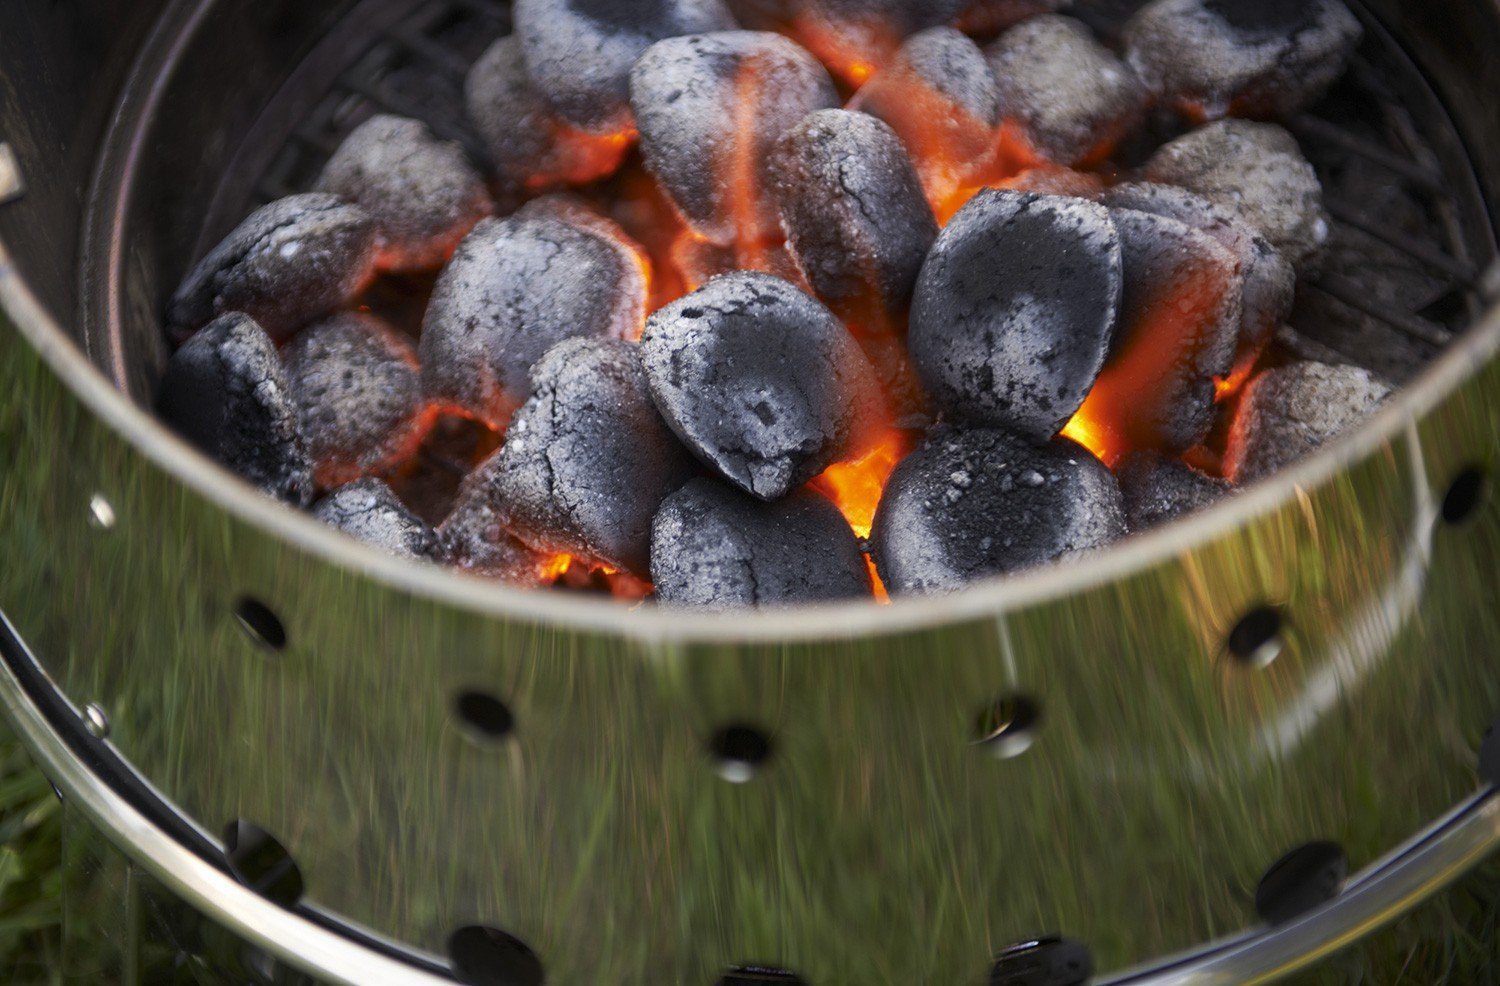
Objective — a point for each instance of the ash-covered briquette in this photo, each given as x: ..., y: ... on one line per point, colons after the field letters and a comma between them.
x: 939, y: 95
x: 762, y: 382
x: 1270, y: 284
x: 1015, y: 308
x: 1249, y: 57
x: 515, y: 288
x: 575, y: 211
x: 1066, y: 95
x: 579, y: 53
x: 368, y: 510
x: 358, y: 393
x: 1177, y: 333
x: 710, y: 109
x: 422, y: 193
x: 972, y: 504
x: 854, y: 213
x: 1158, y: 490
x: 853, y: 35
x: 290, y: 262
x: 1049, y: 179
x: 527, y: 146
x: 715, y: 548
x: 1257, y: 171
x: 588, y: 459
x: 1288, y: 412
x: 225, y: 391
x: 474, y: 536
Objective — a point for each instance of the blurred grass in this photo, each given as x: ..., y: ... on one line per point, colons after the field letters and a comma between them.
x: 1455, y: 938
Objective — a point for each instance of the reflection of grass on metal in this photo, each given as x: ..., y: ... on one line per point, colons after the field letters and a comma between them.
x: 1453, y: 939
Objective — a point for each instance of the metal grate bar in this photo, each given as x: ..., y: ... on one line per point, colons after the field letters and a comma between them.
x: 1358, y: 297
x: 440, y: 56
x: 1416, y: 249
x: 1317, y: 129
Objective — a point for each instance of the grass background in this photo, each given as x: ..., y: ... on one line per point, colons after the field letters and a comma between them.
x: 1454, y: 938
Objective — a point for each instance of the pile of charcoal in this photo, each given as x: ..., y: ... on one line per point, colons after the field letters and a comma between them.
x: 759, y: 302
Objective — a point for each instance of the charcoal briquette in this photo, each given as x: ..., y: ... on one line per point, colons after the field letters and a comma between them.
x: 358, y: 393
x: 1260, y: 58
x: 710, y: 109
x: 367, y: 509
x: 1048, y: 179
x: 1257, y: 171
x: 587, y: 460
x: 716, y: 548
x: 225, y: 391
x: 855, y: 36
x: 474, y: 536
x: 290, y: 262
x: 1269, y: 282
x: 579, y: 53
x: 1066, y: 96
x: 1177, y: 334
x: 984, y: 17
x: 1015, y: 308
x: 422, y: 193
x: 1290, y: 411
x: 761, y: 381
x: 854, y: 213
x: 1158, y: 490
x: 529, y: 148
x: 939, y: 95
x: 977, y: 503
x: 515, y: 288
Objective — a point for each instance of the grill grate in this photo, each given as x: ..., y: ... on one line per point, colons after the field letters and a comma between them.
x: 1394, y: 294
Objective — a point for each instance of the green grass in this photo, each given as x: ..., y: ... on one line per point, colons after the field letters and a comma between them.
x: 1455, y: 938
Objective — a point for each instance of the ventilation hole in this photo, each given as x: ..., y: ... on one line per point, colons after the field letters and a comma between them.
x: 1296, y: 883
x: 1007, y: 726
x: 1049, y: 961
x: 261, y: 863
x: 757, y: 975
x: 261, y: 625
x: 484, y: 715
x: 1489, y: 755
x: 739, y: 752
x: 1466, y: 496
x: 1256, y: 639
x: 489, y: 957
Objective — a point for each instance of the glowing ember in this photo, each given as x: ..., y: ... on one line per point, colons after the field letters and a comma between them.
x: 855, y: 486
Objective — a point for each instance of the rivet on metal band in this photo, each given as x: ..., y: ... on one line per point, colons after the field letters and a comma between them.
x: 11, y: 184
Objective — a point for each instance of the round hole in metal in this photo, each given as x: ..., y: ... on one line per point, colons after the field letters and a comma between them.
x: 739, y: 751
x: 1007, y: 727
x: 1466, y: 496
x: 1310, y: 875
x: 484, y: 715
x: 1256, y: 640
x: 484, y: 956
x: 261, y: 863
x: 261, y: 625
x: 1047, y: 961
x: 758, y: 975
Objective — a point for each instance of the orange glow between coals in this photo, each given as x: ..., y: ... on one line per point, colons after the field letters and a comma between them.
x: 855, y: 486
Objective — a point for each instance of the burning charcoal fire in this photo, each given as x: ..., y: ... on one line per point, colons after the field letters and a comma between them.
x: 1269, y: 282
x: 225, y: 392
x: 292, y: 261
x: 422, y: 193
x: 857, y: 37
x: 1178, y: 329
x: 530, y: 149
x: 710, y: 109
x: 368, y: 510
x: 1015, y: 309
x: 1256, y: 171
x: 1158, y: 490
x: 358, y: 393
x: 1051, y: 180
x: 714, y: 547
x: 579, y: 52
x: 1290, y: 411
x: 474, y: 537
x: 971, y: 504
x: 514, y: 289
x: 854, y: 214
x: 1248, y: 57
x: 587, y: 460
x: 1066, y: 98
x: 939, y: 95
x: 760, y: 381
